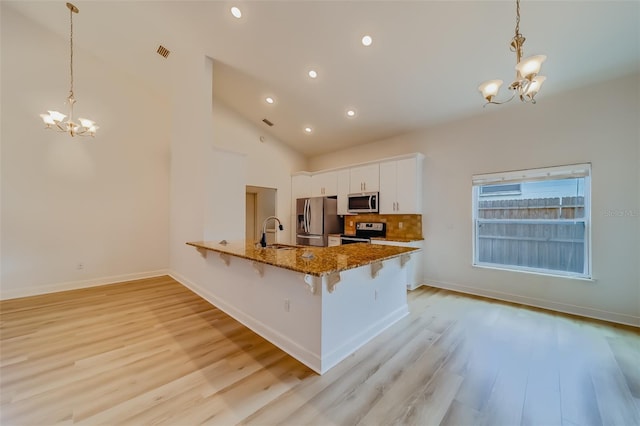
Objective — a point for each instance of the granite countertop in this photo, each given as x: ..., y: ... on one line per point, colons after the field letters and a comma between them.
x: 325, y: 260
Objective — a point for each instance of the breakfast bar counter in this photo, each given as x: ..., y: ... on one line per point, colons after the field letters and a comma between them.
x: 317, y: 261
x: 318, y: 304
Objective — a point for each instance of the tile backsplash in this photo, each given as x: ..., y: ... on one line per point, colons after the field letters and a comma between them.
x: 411, y: 224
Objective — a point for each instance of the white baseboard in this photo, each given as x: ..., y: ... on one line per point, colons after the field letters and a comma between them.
x: 76, y: 285
x: 308, y: 358
x: 539, y: 303
x: 362, y: 338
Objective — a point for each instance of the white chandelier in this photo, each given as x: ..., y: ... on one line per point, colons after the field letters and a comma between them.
x: 54, y: 119
x: 527, y: 82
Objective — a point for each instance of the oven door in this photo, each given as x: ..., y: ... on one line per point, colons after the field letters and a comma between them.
x: 347, y: 239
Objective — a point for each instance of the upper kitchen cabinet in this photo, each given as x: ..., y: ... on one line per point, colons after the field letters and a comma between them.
x: 365, y: 178
x: 300, y: 186
x: 324, y: 184
x: 401, y: 186
x: 344, y: 179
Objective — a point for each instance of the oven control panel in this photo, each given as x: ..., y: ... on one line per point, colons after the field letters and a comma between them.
x: 370, y: 226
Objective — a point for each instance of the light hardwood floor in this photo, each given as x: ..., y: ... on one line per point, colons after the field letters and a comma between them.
x: 152, y: 352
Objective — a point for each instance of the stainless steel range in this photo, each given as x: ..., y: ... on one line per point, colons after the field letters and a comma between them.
x: 364, y: 232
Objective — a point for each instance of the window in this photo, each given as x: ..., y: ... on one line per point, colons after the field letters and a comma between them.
x: 509, y: 189
x: 534, y: 220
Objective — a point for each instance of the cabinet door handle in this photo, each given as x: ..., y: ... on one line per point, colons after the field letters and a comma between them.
x: 397, y: 206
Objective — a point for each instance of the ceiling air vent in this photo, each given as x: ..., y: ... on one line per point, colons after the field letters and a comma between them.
x: 163, y: 51
x: 267, y: 122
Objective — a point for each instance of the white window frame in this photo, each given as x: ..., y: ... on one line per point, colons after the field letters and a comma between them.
x: 521, y: 176
x: 501, y: 193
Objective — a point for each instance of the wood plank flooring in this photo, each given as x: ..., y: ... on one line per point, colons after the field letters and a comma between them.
x: 152, y: 352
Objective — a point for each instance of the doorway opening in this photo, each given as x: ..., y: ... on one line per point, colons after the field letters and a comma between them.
x: 261, y: 203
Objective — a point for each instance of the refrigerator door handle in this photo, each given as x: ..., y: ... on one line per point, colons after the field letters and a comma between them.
x: 310, y: 237
x: 308, y: 215
x: 304, y: 216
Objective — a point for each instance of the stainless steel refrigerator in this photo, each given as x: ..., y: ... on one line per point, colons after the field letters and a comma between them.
x: 316, y: 218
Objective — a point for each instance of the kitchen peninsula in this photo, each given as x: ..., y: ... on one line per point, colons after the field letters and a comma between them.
x: 319, y: 304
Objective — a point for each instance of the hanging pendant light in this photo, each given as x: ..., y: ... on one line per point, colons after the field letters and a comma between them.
x: 527, y: 82
x: 54, y: 119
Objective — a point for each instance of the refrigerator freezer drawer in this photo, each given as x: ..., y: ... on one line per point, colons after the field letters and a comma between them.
x: 311, y: 240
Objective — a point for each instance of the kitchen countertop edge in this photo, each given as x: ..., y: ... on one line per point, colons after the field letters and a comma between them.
x: 327, y: 260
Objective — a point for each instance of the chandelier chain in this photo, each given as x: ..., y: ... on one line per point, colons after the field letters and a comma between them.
x: 517, y: 18
x: 71, y: 55
x: 518, y: 40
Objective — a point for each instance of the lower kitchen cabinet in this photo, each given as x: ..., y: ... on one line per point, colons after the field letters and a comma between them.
x: 415, y: 272
x: 334, y: 240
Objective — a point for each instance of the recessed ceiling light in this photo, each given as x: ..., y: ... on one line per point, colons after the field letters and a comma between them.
x: 367, y: 40
x: 236, y: 12
x: 307, y: 130
x: 269, y: 100
x: 351, y: 113
x: 313, y: 74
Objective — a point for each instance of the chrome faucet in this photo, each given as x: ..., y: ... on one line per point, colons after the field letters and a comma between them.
x: 263, y: 240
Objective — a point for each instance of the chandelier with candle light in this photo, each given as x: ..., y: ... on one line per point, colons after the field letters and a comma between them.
x: 56, y: 120
x: 527, y: 82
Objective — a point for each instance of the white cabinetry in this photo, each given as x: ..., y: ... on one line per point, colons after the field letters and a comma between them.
x: 343, y: 191
x: 365, y: 178
x: 415, y: 265
x: 401, y: 186
x: 300, y: 186
x: 324, y: 184
x: 334, y: 240
x: 397, y: 179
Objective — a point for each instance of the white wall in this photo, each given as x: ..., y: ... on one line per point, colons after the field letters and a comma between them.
x: 269, y: 163
x: 101, y: 202
x: 599, y: 125
x: 203, y: 125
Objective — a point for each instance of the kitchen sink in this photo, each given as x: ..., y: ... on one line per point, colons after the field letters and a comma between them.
x: 281, y: 246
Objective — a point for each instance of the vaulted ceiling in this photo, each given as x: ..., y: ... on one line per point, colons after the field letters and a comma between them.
x: 423, y: 67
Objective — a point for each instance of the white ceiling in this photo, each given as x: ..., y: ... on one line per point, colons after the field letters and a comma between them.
x: 423, y: 68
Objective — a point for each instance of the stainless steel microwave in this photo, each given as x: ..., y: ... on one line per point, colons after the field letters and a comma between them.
x: 363, y: 202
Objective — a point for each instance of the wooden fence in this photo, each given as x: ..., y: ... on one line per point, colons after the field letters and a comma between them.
x: 543, y: 233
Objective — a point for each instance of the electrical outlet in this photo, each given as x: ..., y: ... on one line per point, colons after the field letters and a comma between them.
x: 80, y: 266
x: 287, y: 305
x: 350, y: 223
x: 400, y: 225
